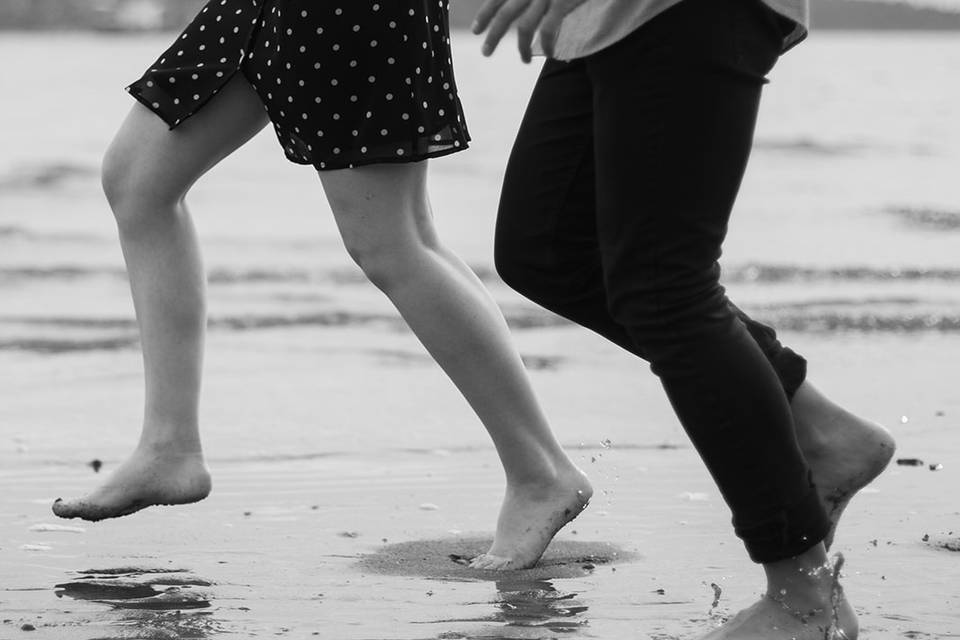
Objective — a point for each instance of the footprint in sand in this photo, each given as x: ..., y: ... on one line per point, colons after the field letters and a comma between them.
x: 450, y: 558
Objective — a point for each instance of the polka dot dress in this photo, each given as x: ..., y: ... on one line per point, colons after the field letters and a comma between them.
x: 345, y: 82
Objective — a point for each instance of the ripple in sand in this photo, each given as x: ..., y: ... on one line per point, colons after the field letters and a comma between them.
x: 449, y: 558
x: 45, y: 176
x: 927, y: 218
x: 136, y: 588
x: 63, y: 528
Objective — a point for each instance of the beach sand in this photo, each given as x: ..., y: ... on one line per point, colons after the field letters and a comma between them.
x: 347, y: 469
x: 330, y: 531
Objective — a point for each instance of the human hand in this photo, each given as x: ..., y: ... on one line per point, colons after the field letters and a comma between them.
x: 531, y: 16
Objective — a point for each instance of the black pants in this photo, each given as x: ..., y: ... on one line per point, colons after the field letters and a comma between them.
x: 614, y: 208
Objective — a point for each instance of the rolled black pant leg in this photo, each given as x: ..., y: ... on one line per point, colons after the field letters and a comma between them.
x: 546, y: 238
x: 674, y: 120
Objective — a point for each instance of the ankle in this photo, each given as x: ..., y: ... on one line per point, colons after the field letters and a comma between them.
x: 805, y: 583
x: 546, y: 477
x: 170, y: 446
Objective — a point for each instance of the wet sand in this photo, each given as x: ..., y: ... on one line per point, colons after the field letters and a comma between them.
x: 346, y: 530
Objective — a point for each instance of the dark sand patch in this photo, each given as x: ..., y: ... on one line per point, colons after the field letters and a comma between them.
x: 927, y: 218
x: 45, y: 176
x: 53, y: 346
x: 812, y: 147
x: 135, y: 588
x: 449, y: 558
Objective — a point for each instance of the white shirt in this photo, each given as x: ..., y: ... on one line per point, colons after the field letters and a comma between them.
x: 597, y: 24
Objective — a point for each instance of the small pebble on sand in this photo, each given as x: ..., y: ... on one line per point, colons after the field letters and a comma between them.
x: 910, y: 462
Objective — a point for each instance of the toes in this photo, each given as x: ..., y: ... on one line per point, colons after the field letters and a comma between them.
x: 63, y: 509
x: 488, y: 562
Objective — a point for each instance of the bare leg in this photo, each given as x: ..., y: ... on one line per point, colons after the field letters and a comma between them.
x: 147, y: 172
x: 384, y: 216
x: 844, y: 451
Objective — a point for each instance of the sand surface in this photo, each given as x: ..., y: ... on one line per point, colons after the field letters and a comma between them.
x: 345, y: 530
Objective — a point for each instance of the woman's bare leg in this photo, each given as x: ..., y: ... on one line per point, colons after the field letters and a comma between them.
x: 383, y: 213
x: 147, y: 172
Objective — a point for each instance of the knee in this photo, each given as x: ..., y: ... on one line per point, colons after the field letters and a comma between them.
x: 137, y: 200
x: 386, y: 263
x: 524, y: 265
x: 678, y: 305
x: 509, y: 263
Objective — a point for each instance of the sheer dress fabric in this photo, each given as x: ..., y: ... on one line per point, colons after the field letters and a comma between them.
x: 344, y: 82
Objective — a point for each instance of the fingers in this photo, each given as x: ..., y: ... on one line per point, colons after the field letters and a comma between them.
x: 545, y: 16
x: 487, y: 10
x: 504, y: 16
x: 527, y: 27
x: 550, y: 28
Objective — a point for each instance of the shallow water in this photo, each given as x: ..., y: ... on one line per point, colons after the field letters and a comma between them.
x: 328, y: 427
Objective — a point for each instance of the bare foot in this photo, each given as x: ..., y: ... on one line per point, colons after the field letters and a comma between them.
x: 771, y: 619
x: 844, y: 451
x: 530, y: 517
x: 145, y: 479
